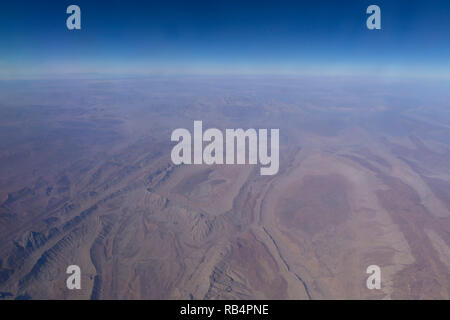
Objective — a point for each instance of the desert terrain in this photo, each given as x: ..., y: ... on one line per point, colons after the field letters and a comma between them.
x: 86, y: 178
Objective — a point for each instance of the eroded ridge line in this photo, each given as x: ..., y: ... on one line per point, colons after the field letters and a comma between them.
x: 287, y: 265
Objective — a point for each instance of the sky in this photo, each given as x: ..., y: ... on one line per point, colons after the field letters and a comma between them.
x: 224, y: 37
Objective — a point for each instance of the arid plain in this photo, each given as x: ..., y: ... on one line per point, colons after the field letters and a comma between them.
x: 86, y: 178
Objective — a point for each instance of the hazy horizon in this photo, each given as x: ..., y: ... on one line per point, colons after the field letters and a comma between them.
x: 227, y: 37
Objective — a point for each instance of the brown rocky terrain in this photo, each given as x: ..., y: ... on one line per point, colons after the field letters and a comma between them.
x: 86, y: 178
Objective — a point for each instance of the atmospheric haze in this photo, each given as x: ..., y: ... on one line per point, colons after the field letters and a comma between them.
x: 86, y: 179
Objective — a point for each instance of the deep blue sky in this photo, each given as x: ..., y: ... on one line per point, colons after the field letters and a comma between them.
x: 299, y: 37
